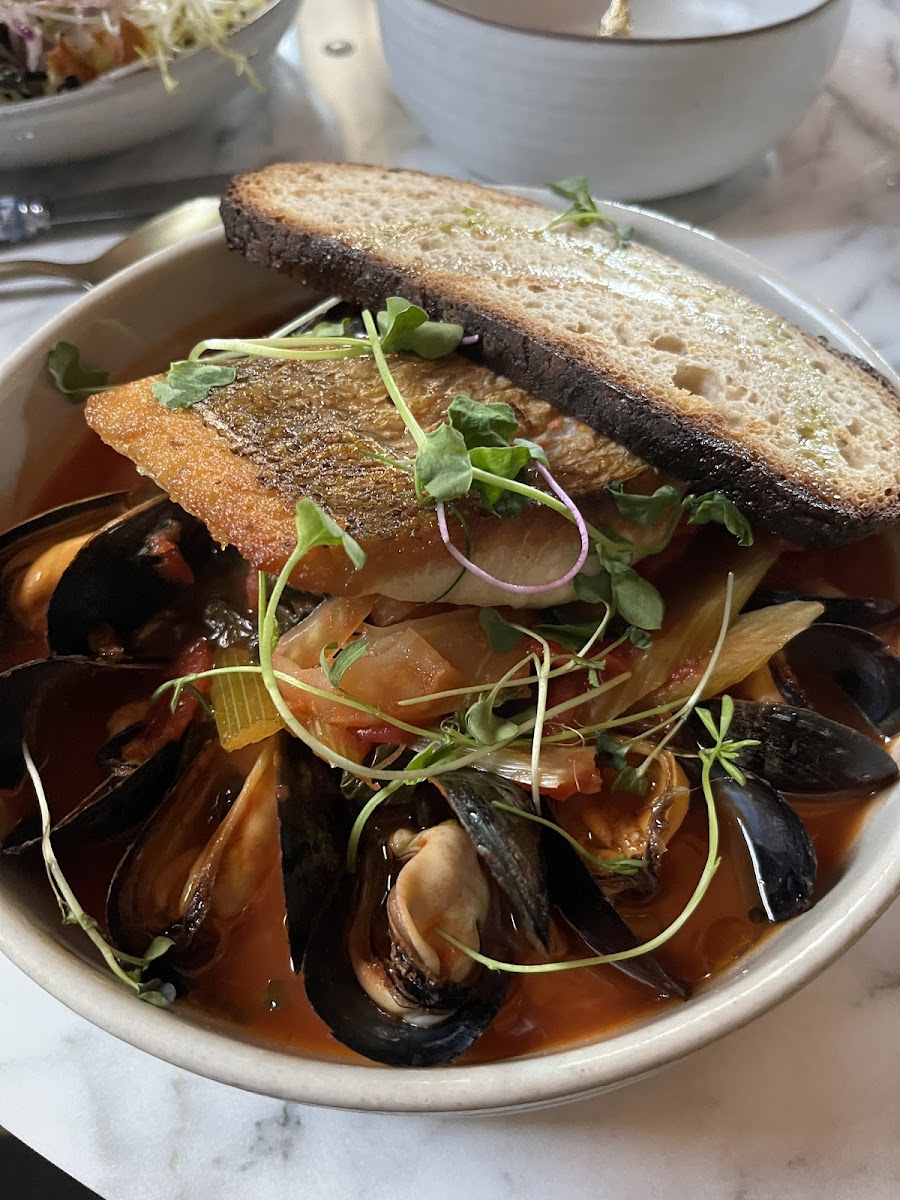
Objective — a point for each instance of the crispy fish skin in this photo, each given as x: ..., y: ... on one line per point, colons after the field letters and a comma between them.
x: 242, y: 458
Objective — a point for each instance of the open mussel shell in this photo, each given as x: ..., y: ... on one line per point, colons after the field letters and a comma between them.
x: 200, y: 860
x: 356, y: 1021
x: 864, y: 612
x: 864, y: 667
x: 780, y: 849
x: 314, y: 825
x: 121, y: 801
x: 33, y: 554
x: 801, y: 752
x: 130, y: 570
x: 364, y: 972
x: 577, y: 896
x: 618, y: 823
x: 32, y: 536
x: 510, y: 847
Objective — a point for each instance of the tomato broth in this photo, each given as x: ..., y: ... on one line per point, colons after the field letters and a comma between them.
x: 253, y: 986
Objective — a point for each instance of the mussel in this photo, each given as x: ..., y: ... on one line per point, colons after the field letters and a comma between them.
x: 580, y: 900
x: 864, y: 612
x: 781, y: 853
x: 620, y: 824
x: 801, y: 752
x: 509, y: 846
x: 128, y: 572
x: 89, y: 576
x: 124, y: 773
x: 377, y: 968
x: 200, y: 860
x: 313, y: 824
x: 33, y: 556
x: 862, y: 666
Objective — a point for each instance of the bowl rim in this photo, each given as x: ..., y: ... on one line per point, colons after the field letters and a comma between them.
x: 564, y: 1074
x: 620, y: 40
x: 141, y: 68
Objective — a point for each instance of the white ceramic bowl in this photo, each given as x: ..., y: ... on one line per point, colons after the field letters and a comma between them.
x: 199, y: 281
x: 525, y: 91
x: 130, y: 105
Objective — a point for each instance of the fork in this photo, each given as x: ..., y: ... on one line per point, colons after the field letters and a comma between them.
x: 169, y: 227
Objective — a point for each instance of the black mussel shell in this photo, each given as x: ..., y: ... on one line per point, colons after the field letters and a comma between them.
x: 21, y: 545
x: 864, y: 667
x: 125, y: 797
x: 356, y: 1021
x: 510, y: 847
x: 314, y: 826
x: 125, y: 575
x: 789, y: 686
x: 864, y: 612
x: 780, y: 849
x: 579, y: 899
x: 194, y: 808
x: 802, y: 752
x: 57, y: 524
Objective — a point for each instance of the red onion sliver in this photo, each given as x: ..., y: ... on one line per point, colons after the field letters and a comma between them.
x: 523, y: 589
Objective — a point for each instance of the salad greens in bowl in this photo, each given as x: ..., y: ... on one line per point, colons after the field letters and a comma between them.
x: 163, y: 61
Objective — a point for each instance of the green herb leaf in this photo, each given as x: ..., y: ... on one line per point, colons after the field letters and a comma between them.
x: 716, y: 508
x: 639, y: 637
x: 328, y: 329
x: 594, y: 587
x: 405, y: 327
x: 189, y: 381
x: 584, y: 211
x: 443, y: 467
x: 157, y: 993
x: 504, y: 461
x: 538, y: 453
x: 635, y: 599
x: 157, y: 948
x: 631, y: 779
x: 316, y: 528
x: 344, y: 659
x: 491, y: 423
x: 610, y: 751
x: 502, y: 636
x: 643, y: 510
x: 485, y: 726
x: 71, y: 376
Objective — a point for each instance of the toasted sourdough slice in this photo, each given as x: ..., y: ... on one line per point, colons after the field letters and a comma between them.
x: 691, y: 375
x: 242, y: 458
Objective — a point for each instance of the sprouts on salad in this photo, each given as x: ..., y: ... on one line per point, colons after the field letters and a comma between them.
x: 47, y: 47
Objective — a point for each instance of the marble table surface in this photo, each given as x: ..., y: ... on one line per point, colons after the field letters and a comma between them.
x: 805, y: 1103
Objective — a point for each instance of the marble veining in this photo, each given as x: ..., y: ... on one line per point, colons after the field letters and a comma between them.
x: 802, y: 1105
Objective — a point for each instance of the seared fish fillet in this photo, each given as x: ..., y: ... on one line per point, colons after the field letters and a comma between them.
x: 242, y: 458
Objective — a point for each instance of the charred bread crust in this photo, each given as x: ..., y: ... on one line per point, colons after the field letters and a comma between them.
x: 613, y: 406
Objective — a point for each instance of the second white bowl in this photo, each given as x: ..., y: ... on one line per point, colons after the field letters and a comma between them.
x: 527, y: 92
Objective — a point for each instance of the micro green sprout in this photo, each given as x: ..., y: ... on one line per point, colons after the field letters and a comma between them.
x: 153, y: 991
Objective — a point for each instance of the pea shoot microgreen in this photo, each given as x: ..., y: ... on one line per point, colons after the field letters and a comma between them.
x: 190, y: 381
x: 129, y: 969
x: 715, y: 507
x: 583, y: 210
x: 502, y: 635
x: 615, y: 864
x: 404, y: 327
x: 724, y: 751
x: 70, y: 375
x: 344, y: 659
